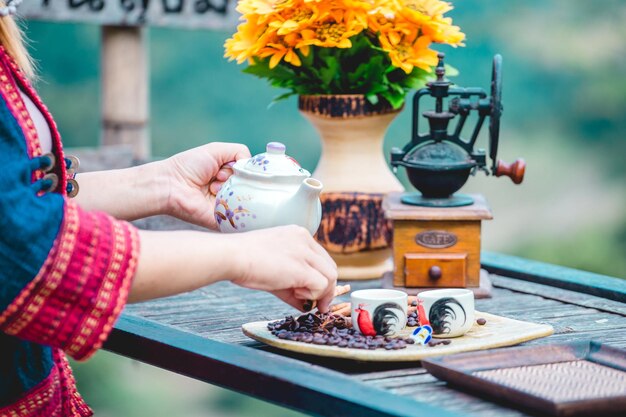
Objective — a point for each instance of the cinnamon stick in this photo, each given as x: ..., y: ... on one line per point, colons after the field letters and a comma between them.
x: 340, y: 306
x: 345, y: 311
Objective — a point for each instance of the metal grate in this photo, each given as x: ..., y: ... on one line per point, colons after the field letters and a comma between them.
x: 561, y: 381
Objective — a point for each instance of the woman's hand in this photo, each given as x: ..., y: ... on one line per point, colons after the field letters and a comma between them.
x: 287, y: 262
x: 195, y: 177
x: 182, y: 186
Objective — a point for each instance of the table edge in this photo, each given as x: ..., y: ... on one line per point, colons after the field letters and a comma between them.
x: 270, y: 377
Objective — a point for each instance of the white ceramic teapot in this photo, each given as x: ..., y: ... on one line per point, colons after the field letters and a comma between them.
x: 269, y: 189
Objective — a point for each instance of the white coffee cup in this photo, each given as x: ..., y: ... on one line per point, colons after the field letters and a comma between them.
x: 379, y: 311
x: 450, y: 311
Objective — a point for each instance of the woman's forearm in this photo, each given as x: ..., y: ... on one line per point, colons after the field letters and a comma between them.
x: 126, y: 194
x: 175, y: 262
x: 283, y: 260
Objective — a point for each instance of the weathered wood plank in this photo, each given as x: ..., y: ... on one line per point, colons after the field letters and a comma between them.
x: 559, y: 294
x: 391, y: 374
x: 466, y: 404
x: 189, y: 14
x: 556, y: 276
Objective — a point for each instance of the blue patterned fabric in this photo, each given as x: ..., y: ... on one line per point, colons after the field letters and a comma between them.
x: 23, y: 365
x: 29, y: 225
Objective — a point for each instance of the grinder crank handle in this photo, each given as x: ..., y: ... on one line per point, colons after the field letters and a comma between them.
x: 515, y: 171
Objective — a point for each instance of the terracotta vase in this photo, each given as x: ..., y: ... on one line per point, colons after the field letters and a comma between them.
x: 356, y: 177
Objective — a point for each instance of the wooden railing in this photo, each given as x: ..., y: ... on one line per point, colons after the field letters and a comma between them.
x: 125, y: 71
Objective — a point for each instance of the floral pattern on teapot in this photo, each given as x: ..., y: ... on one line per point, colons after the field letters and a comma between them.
x: 237, y: 216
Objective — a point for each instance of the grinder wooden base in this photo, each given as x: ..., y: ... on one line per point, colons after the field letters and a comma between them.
x: 484, y: 290
x: 436, y: 247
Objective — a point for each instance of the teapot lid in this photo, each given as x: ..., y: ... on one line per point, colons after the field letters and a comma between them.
x: 274, y: 162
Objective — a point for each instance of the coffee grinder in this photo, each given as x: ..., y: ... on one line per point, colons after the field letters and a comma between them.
x: 436, y: 241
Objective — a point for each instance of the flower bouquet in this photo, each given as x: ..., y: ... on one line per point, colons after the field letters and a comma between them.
x: 378, y: 48
x: 352, y: 63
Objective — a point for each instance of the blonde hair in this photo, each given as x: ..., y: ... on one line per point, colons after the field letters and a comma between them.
x: 12, y: 39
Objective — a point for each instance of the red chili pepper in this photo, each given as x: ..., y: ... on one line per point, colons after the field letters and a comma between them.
x: 421, y: 314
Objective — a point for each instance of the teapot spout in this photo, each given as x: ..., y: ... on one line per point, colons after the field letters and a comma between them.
x: 307, y: 203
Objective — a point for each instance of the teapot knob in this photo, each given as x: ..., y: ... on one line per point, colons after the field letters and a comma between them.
x: 275, y: 148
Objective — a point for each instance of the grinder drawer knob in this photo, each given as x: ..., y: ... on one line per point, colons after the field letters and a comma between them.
x: 434, y: 272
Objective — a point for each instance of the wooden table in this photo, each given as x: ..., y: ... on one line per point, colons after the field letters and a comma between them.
x: 198, y: 334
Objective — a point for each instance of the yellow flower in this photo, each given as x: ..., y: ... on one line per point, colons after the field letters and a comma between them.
x: 294, y: 19
x: 422, y: 10
x: 387, y: 8
x: 249, y: 38
x: 262, y: 7
x: 331, y: 34
x: 442, y: 31
x: 278, y: 52
x: 409, y: 52
x: 428, y: 14
x: 393, y: 27
x: 354, y: 10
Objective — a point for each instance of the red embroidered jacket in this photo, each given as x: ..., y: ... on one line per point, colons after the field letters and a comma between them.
x: 65, y: 273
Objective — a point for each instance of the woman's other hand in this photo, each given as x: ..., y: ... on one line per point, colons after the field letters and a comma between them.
x: 287, y: 262
x: 195, y: 177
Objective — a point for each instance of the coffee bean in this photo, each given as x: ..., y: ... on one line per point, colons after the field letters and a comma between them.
x: 332, y: 330
x: 446, y: 342
x: 481, y: 321
x: 414, y: 303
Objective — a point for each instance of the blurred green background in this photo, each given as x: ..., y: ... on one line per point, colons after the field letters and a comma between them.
x: 564, y: 99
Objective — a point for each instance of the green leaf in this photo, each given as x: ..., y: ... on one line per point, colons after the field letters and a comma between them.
x: 261, y: 69
x: 395, y: 99
x: 328, y: 72
x: 367, y: 73
x: 372, y: 98
x: 307, y: 61
x: 414, y: 83
x: 365, y: 68
x: 258, y: 70
x: 451, y: 71
x: 283, y: 96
